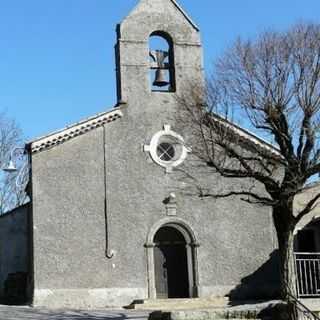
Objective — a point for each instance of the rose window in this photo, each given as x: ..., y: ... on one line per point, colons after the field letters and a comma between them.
x: 167, y: 149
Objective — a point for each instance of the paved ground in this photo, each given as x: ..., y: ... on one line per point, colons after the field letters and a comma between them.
x: 26, y: 313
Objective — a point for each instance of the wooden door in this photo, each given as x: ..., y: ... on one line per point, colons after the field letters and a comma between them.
x: 161, y: 273
x: 171, y: 264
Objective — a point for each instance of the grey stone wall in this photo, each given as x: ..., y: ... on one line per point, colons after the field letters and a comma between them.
x: 106, y: 174
x: 14, y: 253
x: 68, y: 215
x: 236, y: 239
x: 301, y: 200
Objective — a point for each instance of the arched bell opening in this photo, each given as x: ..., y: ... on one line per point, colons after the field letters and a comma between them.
x: 161, y: 53
x: 172, y: 261
x: 307, y: 256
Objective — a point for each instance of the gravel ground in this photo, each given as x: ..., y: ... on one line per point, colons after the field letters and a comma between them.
x: 27, y: 313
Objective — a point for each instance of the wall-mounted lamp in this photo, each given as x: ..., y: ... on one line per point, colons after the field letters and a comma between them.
x: 11, y: 167
x: 23, y: 176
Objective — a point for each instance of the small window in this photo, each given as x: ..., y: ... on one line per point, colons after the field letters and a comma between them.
x: 161, y: 62
x: 166, y: 151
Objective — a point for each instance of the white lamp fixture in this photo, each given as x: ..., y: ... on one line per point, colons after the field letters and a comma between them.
x: 22, y: 175
x: 11, y: 167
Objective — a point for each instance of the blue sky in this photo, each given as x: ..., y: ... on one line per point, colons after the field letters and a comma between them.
x: 57, y: 58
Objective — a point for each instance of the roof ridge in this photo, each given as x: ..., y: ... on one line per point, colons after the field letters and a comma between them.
x: 248, y: 132
x: 74, y: 130
x: 175, y: 3
x: 185, y: 15
x: 245, y: 133
x: 84, y: 120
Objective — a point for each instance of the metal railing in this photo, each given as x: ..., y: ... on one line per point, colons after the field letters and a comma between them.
x: 308, y: 274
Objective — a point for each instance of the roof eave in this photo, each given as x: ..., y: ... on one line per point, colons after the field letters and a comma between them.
x: 249, y: 136
x: 72, y: 131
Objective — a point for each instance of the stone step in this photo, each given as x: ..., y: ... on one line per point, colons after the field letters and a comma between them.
x: 181, y: 304
x: 214, y: 314
x: 259, y: 311
x: 312, y: 304
x: 204, y: 315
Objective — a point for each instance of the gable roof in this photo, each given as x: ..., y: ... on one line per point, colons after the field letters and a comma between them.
x: 75, y: 130
x: 175, y: 3
x: 248, y: 136
x: 185, y: 15
x: 98, y: 120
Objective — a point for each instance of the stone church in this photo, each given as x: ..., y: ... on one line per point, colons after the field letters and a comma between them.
x: 108, y: 222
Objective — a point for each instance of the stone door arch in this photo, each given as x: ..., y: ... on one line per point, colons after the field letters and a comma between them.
x: 191, y: 247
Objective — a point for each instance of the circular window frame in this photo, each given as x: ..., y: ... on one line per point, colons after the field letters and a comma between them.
x: 157, y: 139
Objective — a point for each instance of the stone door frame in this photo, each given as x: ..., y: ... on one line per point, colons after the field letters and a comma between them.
x: 192, y: 253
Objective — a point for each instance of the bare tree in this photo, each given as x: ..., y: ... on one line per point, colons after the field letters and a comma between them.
x: 11, y: 195
x: 272, y: 84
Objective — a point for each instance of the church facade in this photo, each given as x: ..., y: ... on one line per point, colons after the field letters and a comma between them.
x: 109, y: 221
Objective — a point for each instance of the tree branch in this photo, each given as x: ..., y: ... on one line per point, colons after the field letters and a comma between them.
x: 259, y: 199
x: 309, y: 207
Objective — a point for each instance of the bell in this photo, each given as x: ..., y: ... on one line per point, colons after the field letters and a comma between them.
x: 160, y: 80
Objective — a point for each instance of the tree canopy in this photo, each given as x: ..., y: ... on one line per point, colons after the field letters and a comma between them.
x: 271, y: 84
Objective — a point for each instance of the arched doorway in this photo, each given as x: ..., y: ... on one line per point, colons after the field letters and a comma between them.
x: 171, y: 264
x: 183, y: 232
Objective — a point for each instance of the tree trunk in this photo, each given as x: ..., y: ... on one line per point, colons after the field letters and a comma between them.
x: 285, y: 225
x: 287, y: 265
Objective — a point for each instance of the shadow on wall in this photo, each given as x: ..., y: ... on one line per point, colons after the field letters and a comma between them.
x: 263, y: 284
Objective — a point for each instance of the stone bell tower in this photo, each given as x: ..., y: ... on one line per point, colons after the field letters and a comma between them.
x: 158, y: 52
